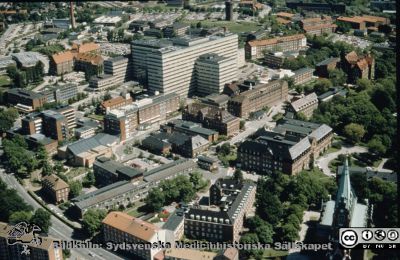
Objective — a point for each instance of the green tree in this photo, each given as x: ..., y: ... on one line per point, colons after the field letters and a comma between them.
x: 20, y: 216
x: 7, y: 118
x: 75, y: 189
x: 89, y: 180
x: 354, y: 132
x: 10, y: 202
x: 338, y: 77
x: 41, y: 217
x: 242, y: 124
x: 225, y: 149
x: 376, y: 146
x: 265, y: 233
x: 197, y: 180
x: 288, y: 233
x: 270, y: 208
x: 47, y: 169
x: 322, y: 86
x: 91, y: 221
x: 364, y: 84
x: 155, y: 199
x: 238, y: 175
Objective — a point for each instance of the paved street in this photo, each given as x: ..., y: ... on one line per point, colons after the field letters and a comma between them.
x: 58, y: 229
x: 254, y: 125
x: 323, y: 161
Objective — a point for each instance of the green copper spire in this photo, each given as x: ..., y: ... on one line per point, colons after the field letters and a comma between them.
x: 345, y: 193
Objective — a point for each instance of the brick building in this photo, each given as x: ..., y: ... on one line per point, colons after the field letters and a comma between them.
x: 257, y: 48
x: 119, y: 227
x: 322, y: 69
x: 305, y: 105
x: 125, y: 120
x: 191, y: 129
x: 115, y: 103
x: 318, y: 25
x: 291, y: 147
x: 222, y: 221
x: 259, y: 97
x: 56, y: 188
x: 303, y: 75
x: 363, y: 22
x: 62, y: 63
x: 212, y: 118
x: 358, y: 66
x: 25, y: 100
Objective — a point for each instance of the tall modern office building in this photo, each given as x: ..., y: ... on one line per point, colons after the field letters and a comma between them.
x: 167, y: 66
x: 213, y: 72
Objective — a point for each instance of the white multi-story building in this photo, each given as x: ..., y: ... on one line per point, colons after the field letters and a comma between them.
x: 119, y: 67
x: 167, y: 66
x: 212, y: 72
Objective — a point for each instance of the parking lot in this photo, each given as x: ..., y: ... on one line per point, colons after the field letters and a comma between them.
x: 354, y: 40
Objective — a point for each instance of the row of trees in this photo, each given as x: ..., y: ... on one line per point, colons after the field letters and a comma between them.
x: 13, y: 209
x: 181, y: 188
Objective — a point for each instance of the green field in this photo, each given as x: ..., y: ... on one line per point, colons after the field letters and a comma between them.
x: 4, y: 80
x: 235, y: 27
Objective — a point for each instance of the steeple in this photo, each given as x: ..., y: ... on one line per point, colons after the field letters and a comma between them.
x: 345, y: 192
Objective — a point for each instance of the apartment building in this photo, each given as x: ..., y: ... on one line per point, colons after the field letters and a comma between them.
x: 115, y: 103
x: 291, y: 147
x: 56, y: 188
x: 102, y: 81
x: 259, y: 97
x: 175, y: 60
x: 125, y: 120
x: 222, y: 221
x: 25, y: 100
x: 108, y: 171
x: 212, y: 117
x: 55, y: 125
x: 318, y: 25
x: 125, y: 192
x: 190, y: 128
x: 302, y: 76
x: 213, y: 72
x: 305, y: 105
x: 31, y: 124
x: 207, y: 163
x: 119, y: 227
x: 45, y: 251
x: 70, y: 113
x: 120, y: 67
x: 60, y: 94
x: 257, y: 48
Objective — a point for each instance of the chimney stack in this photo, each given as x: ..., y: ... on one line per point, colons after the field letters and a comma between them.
x: 72, y: 15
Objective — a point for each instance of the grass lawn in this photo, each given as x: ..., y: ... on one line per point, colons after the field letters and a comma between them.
x: 272, y: 254
x: 49, y: 50
x: 331, y: 150
x: 4, y: 80
x: 76, y: 171
x: 96, y: 117
x: 134, y: 211
x: 235, y: 27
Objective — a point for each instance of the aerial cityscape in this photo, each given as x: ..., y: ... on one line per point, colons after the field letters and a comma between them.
x: 198, y: 130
